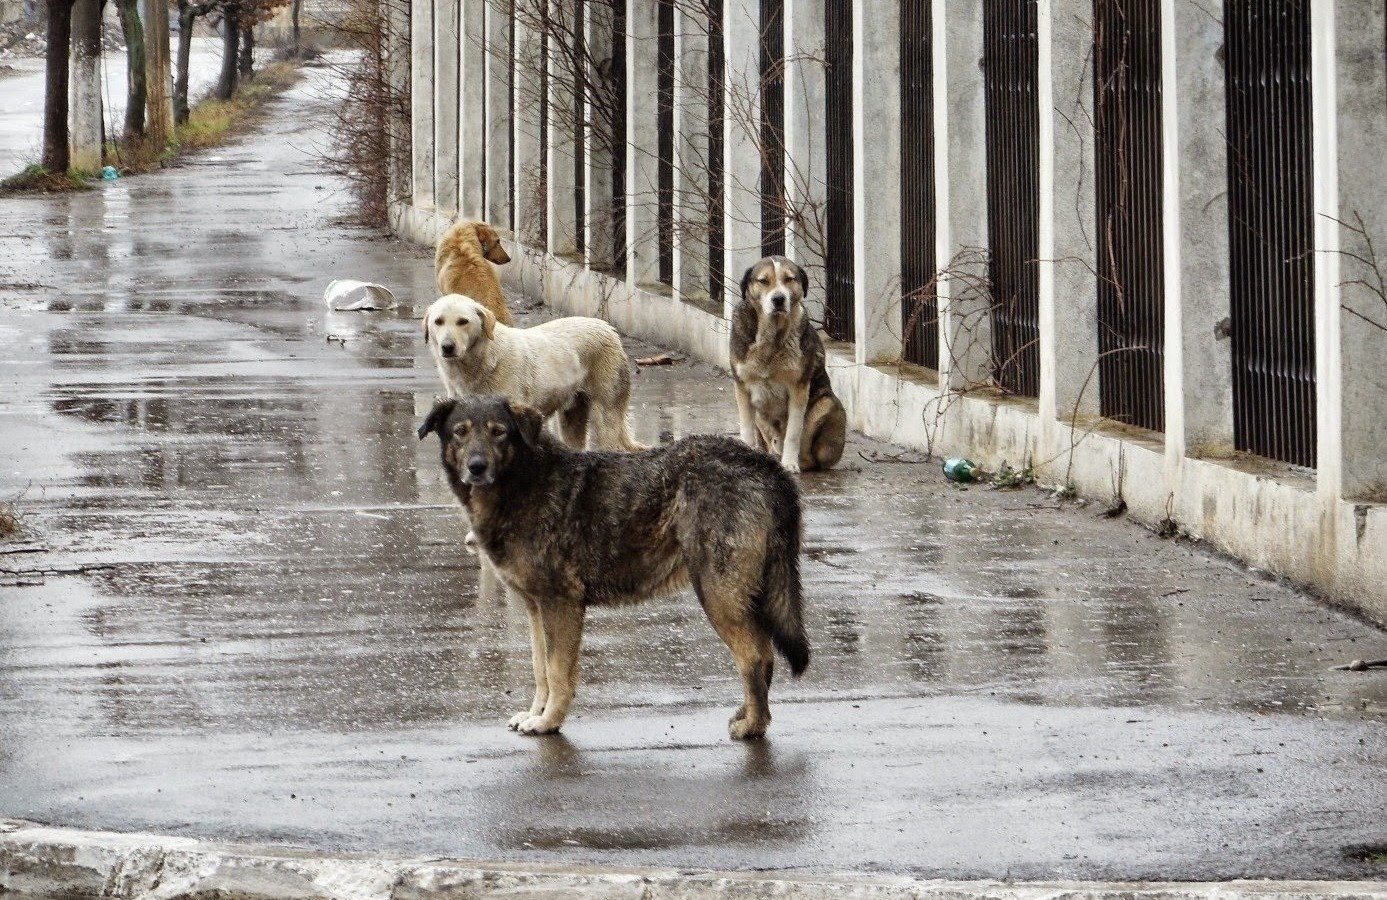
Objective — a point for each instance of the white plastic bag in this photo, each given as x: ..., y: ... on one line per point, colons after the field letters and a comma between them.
x: 344, y: 295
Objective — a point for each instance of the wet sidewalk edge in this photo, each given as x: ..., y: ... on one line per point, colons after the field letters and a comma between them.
x: 44, y: 861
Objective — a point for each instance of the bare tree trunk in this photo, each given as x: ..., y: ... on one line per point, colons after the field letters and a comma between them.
x: 159, y: 108
x: 186, y: 18
x: 231, y: 39
x: 294, y: 8
x: 133, y: 30
x: 247, y: 63
x: 55, y: 104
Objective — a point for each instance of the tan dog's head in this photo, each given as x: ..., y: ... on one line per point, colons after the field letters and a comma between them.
x: 489, y: 242
x: 776, y: 287
x: 482, y: 436
x: 454, y: 324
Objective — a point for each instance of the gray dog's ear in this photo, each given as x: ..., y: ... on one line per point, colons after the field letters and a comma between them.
x: 746, y: 281
x: 528, y: 422
x: 426, y: 330
x: 442, y: 409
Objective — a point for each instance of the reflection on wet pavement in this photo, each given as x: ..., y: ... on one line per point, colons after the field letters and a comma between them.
x: 264, y: 627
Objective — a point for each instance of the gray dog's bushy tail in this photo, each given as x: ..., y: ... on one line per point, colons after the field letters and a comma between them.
x: 780, y: 605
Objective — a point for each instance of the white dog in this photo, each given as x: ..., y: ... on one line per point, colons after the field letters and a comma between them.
x: 570, y: 367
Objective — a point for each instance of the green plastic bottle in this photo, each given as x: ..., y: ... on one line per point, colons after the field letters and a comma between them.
x: 960, y: 469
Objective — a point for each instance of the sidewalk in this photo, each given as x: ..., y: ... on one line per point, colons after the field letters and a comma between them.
x: 241, y: 611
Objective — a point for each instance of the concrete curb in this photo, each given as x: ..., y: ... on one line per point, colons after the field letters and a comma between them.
x: 39, y: 860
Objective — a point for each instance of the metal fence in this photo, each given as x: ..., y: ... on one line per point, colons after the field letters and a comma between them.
x: 717, y: 72
x: 510, y: 115
x: 1270, y: 165
x: 617, y: 145
x: 919, y: 306
x: 1010, y: 76
x: 772, y: 70
x: 664, y: 114
x: 1127, y: 156
x: 580, y: 118
x: 542, y: 169
x: 838, y: 302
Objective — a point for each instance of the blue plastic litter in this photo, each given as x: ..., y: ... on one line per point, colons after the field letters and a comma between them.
x: 109, y: 173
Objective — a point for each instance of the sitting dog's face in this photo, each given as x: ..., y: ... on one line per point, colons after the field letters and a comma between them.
x: 455, y: 324
x: 776, y: 286
x: 490, y: 243
x: 482, y: 436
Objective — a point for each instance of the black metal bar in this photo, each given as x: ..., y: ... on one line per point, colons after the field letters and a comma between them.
x: 919, y: 304
x: 838, y: 303
x: 510, y: 118
x: 1011, y: 60
x: 772, y: 72
x: 1267, y: 68
x: 664, y: 115
x: 617, y: 124
x: 1127, y: 153
x: 542, y: 169
x: 717, y: 66
x: 580, y: 125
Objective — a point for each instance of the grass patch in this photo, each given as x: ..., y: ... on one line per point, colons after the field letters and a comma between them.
x: 1007, y: 479
x: 10, y: 523
x: 35, y: 179
x: 211, y: 122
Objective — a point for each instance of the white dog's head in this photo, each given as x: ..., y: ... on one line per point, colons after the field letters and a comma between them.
x: 455, y: 324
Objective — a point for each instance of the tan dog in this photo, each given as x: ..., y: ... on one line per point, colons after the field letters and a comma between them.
x: 462, y: 265
x: 784, y: 399
x: 570, y: 367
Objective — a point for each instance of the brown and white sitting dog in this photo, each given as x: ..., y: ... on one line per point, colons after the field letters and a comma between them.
x: 462, y: 265
x: 784, y: 398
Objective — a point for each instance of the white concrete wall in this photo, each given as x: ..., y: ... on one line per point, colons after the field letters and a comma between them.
x: 1326, y: 529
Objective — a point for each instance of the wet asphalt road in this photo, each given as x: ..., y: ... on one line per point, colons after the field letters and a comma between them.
x: 262, y: 626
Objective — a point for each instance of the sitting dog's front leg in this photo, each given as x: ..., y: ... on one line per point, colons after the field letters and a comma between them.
x: 794, y: 426
x: 563, y: 633
x: 747, y: 415
x: 539, y: 659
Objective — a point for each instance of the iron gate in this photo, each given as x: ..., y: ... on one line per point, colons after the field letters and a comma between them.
x: 838, y: 300
x: 1010, y: 75
x: 1127, y: 156
x: 1267, y: 65
x: 919, y: 307
x: 510, y: 116
x: 664, y: 114
x: 716, y: 162
x: 542, y: 169
x: 617, y: 130
x: 772, y: 72
x: 573, y: 67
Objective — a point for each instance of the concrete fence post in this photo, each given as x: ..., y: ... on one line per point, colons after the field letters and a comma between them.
x: 960, y: 167
x: 642, y: 142
x: 1350, y: 103
x: 806, y: 154
x: 691, y: 155
x: 741, y: 142
x: 1199, y: 354
x: 421, y: 101
x: 498, y: 187
x: 563, y: 134
x: 474, y: 149
x: 1067, y: 248
x: 447, y: 51
x: 530, y: 185
x: 599, y: 220
x: 876, y: 160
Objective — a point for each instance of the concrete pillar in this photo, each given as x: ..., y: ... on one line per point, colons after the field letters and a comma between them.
x: 1198, y: 360
x: 741, y: 142
x: 158, y: 72
x: 642, y: 142
x: 1067, y: 249
x: 497, y: 202
x: 876, y: 160
x: 599, y: 219
x: 691, y: 154
x: 421, y: 100
x: 447, y: 48
x: 960, y: 167
x: 1350, y: 103
x: 400, y: 169
x: 563, y: 133
x: 473, y: 151
x: 530, y: 186
x: 806, y: 162
x: 84, y: 87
